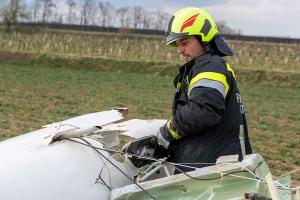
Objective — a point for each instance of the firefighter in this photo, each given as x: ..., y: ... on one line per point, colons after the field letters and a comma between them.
x: 208, y: 118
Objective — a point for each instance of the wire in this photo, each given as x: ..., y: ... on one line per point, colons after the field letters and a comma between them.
x: 175, y: 164
x: 202, y: 163
x: 120, y: 152
x: 153, y: 159
x: 186, y: 166
x: 96, y: 149
x: 222, y: 175
x: 103, y: 182
x: 99, y: 176
x: 243, y: 167
x: 259, y: 164
x: 159, y: 160
x: 280, y: 185
x: 286, y: 187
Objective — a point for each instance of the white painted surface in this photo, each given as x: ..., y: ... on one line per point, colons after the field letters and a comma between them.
x: 31, y: 169
x: 137, y: 128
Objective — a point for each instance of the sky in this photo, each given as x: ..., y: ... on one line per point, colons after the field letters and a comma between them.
x: 279, y: 18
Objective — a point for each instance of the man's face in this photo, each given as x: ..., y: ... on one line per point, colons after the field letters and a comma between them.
x: 189, y: 48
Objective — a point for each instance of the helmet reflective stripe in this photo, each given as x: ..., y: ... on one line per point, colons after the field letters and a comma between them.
x: 191, y: 21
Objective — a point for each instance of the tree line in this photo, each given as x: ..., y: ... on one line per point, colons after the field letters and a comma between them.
x: 87, y: 12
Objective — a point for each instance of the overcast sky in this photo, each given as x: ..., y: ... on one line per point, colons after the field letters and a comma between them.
x: 279, y: 18
x: 254, y: 17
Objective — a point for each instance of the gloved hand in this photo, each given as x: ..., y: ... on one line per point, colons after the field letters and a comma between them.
x: 161, y: 140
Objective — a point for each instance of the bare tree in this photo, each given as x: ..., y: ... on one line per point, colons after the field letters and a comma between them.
x: 224, y: 29
x: 12, y: 12
x: 36, y: 5
x: 87, y: 12
x: 146, y: 20
x: 137, y: 16
x: 106, y: 10
x: 122, y: 15
x: 161, y: 20
x: 48, y: 5
x: 57, y: 18
x: 71, y: 4
x: 60, y: 19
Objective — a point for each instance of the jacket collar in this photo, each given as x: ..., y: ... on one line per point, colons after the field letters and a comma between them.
x: 188, y: 66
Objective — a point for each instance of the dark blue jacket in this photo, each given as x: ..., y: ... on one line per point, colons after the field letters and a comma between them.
x: 208, y: 113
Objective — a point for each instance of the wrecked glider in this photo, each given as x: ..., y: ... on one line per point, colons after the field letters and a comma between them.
x: 77, y: 159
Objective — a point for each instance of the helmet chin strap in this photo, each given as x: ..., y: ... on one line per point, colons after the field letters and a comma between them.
x: 207, y: 47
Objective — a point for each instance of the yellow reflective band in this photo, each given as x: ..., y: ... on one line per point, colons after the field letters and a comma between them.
x: 178, y: 84
x: 230, y: 69
x: 187, y: 78
x: 211, y: 76
x: 173, y: 133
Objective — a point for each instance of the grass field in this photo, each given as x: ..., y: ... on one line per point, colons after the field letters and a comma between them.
x: 34, y: 95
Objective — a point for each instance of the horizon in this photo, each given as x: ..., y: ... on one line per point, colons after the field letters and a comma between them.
x: 267, y: 18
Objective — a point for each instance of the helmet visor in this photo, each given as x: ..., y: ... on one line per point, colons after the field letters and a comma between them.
x: 173, y: 37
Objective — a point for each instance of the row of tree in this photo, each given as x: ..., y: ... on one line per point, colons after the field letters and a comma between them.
x: 86, y: 12
x: 83, y: 12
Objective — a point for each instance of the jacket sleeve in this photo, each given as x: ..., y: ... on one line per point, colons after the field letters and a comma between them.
x: 205, y: 101
x: 207, y: 91
x: 204, y: 109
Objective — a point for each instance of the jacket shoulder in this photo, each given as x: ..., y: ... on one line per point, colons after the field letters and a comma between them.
x: 209, y: 63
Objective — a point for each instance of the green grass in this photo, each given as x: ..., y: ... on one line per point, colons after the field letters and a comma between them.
x: 34, y: 95
x: 164, y: 68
